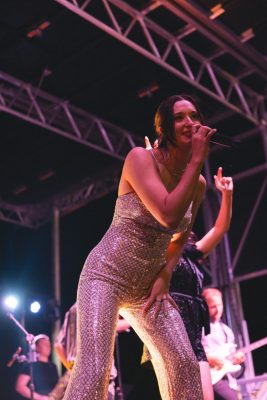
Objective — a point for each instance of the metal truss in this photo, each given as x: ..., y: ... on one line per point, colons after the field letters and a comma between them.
x: 135, y: 29
x: 40, y: 108
x: 35, y: 215
x: 15, y: 215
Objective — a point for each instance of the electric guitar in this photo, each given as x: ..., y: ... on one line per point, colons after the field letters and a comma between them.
x: 226, y: 352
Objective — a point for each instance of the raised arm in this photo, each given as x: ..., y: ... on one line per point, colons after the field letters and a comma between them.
x: 60, y: 349
x: 222, y: 223
x: 141, y: 175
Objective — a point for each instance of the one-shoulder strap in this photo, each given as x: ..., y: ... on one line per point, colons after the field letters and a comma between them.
x: 155, y: 160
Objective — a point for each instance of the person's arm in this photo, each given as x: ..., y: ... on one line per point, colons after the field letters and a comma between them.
x: 160, y: 287
x: 141, y: 175
x: 60, y: 349
x: 60, y: 342
x: 222, y: 224
x: 238, y: 357
x: 22, y: 388
x: 178, y: 241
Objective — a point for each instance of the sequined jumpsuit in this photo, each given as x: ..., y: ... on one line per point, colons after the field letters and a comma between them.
x: 116, y: 278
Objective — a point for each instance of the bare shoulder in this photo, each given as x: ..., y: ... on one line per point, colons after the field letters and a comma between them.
x: 138, y: 156
x: 137, y: 152
x: 138, y: 168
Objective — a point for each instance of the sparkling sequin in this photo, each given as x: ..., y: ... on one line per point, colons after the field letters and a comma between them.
x: 116, y: 278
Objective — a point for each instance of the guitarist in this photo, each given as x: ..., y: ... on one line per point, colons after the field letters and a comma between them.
x: 221, y: 336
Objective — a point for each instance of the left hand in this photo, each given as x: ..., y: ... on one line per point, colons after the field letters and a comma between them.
x: 148, y: 144
x: 222, y: 183
x: 159, y: 293
x: 238, y: 357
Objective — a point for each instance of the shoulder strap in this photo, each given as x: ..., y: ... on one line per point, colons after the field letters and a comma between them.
x: 155, y: 160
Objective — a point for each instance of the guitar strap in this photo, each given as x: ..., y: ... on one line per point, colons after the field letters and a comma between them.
x: 224, y: 332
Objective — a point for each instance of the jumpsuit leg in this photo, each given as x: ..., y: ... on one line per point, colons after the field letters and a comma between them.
x: 97, y: 307
x: 174, y: 361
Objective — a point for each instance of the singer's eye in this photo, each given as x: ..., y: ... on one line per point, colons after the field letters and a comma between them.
x: 194, y: 116
x: 178, y: 117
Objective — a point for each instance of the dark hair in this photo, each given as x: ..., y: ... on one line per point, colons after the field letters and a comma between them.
x: 164, y: 122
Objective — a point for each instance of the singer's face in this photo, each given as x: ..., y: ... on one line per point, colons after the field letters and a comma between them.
x: 185, y: 117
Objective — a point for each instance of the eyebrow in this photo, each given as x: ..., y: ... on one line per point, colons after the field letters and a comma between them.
x: 182, y: 112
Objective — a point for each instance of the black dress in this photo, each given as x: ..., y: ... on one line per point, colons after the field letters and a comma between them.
x: 185, y: 288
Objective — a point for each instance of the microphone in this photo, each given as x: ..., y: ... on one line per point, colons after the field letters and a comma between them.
x: 224, y: 141
x: 14, y: 357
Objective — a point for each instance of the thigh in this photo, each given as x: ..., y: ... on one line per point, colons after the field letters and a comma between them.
x: 173, y: 359
x: 223, y: 391
x: 97, y: 316
x: 164, y: 332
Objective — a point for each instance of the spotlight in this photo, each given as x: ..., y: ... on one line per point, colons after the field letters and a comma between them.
x: 216, y: 11
x: 35, y: 307
x: 11, y: 302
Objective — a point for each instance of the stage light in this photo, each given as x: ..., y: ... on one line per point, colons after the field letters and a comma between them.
x: 35, y: 307
x: 216, y: 11
x: 247, y: 35
x: 11, y: 302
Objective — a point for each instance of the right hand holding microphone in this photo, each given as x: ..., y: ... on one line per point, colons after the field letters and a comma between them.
x: 201, y: 136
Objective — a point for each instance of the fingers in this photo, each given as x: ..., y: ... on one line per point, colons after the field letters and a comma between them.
x: 161, y: 305
x: 147, y: 143
x: 223, y: 183
x: 158, y: 304
x: 148, y: 305
x: 158, y: 307
x: 196, y: 128
x: 203, y: 130
x: 219, y: 173
x: 165, y: 306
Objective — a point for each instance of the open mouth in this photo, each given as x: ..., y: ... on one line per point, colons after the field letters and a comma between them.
x: 188, y: 134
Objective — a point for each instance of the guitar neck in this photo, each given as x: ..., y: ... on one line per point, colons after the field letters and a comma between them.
x: 254, y: 346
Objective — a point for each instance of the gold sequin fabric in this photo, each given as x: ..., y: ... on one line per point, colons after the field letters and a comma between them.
x: 115, y: 279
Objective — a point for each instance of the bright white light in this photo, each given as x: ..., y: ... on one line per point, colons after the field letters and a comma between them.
x: 11, y: 302
x: 35, y: 307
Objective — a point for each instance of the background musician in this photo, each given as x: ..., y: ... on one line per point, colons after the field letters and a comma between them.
x: 219, y: 344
